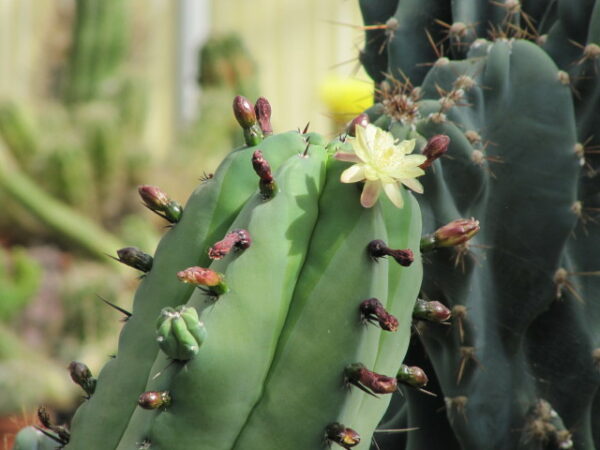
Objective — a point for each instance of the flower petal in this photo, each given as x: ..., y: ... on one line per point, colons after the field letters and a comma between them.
x: 413, y: 184
x: 392, y: 190
x: 414, y: 160
x: 370, y: 193
x: 353, y: 174
x: 407, y: 146
x: 365, y: 145
x: 347, y: 157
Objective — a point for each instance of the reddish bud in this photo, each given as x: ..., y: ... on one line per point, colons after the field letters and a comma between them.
x: 412, y: 375
x: 154, y: 399
x: 156, y: 200
x: 436, y: 147
x: 244, y: 112
x: 362, y: 120
x: 263, y: 170
x: 344, y: 437
x: 378, y: 249
x: 204, y: 277
x: 237, y: 239
x: 452, y: 234
x: 432, y: 311
x: 262, y: 108
x: 370, y: 382
x: 373, y: 311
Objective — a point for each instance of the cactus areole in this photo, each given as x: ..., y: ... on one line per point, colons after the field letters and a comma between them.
x: 254, y: 306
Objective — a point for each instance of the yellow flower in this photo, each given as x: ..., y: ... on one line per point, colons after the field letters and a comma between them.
x: 382, y: 164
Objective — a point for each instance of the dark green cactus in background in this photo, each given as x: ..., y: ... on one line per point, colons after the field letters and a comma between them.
x: 518, y: 367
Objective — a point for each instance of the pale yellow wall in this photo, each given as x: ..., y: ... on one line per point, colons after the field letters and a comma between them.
x: 296, y: 45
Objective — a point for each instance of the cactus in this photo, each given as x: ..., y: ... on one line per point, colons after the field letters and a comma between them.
x: 518, y: 367
x: 276, y: 301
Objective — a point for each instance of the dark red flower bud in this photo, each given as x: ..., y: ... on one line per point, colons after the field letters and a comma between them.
x: 237, y: 239
x: 154, y: 399
x: 341, y: 435
x: 436, y: 147
x: 263, y: 170
x: 432, y: 311
x: 378, y: 249
x: 263, y: 114
x: 244, y: 111
x: 368, y: 381
x: 362, y: 120
x: 373, y: 311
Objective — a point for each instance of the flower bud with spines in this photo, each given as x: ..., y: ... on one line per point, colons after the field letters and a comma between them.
x: 134, y: 257
x: 371, y: 310
x: 263, y: 170
x: 155, y: 400
x: 432, y: 311
x: 378, y: 249
x: 452, y: 234
x: 81, y: 375
x: 214, y: 282
x: 157, y: 201
x: 368, y: 381
x: 235, y: 240
x: 341, y: 435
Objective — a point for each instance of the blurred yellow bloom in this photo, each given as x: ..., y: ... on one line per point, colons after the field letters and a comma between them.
x: 382, y: 164
x: 346, y: 97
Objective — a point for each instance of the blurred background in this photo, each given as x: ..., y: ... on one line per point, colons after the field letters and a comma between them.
x: 100, y: 96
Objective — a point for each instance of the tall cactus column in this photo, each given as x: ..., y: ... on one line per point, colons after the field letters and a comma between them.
x: 520, y: 351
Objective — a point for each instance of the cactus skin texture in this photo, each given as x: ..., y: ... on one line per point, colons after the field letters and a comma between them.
x: 519, y: 366
x: 277, y: 340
